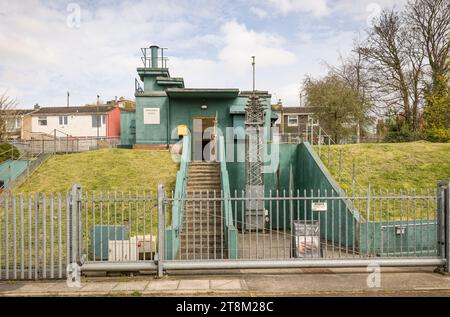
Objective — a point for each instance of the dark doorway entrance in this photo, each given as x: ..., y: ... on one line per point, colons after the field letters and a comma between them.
x: 203, y: 134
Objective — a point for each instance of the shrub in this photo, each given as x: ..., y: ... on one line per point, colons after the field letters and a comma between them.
x: 5, y: 152
x: 403, y: 136
x: 438, y: 135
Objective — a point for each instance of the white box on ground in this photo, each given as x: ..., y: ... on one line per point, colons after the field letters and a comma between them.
x: 133, y: 249
x: 145, y: 243
x: 121, y: 250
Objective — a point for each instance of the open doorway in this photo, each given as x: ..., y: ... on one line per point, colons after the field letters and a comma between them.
x: 203, y: 128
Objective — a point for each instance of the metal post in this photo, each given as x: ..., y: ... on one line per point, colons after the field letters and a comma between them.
x: 444, y: 221
x: 306, y: 131
x: 74, y: 209
x: 353, y: 178
x: 329, y: 151
x: 320, y: 141
x: 161, y: 229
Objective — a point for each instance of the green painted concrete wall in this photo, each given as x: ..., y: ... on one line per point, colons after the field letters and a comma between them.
x: 340, y: 223
x: 151, y: 133
x: 127, y: 128
x: 420, y: 238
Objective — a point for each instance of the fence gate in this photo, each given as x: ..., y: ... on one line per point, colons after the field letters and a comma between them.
x: 43, y: 236
x: 309, y: 229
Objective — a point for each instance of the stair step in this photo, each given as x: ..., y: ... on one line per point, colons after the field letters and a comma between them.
x: 210, y: 256
x: 203, y: 235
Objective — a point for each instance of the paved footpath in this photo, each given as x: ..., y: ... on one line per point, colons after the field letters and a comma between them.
x: 295, y: 282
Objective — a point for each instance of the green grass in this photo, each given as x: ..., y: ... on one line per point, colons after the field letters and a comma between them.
x: 104, y: 170
x: 99, y: 172
x: 391, y: 166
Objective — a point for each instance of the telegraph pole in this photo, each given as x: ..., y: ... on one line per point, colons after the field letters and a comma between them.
x: 98, y: 118
x: 253, y: 65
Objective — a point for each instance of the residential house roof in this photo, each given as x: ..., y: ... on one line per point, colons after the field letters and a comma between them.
x: 48, y: 111
x: 297, y: 110
x: 16, y: 112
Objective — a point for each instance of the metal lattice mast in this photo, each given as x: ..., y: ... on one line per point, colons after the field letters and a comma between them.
x: 254, y: 122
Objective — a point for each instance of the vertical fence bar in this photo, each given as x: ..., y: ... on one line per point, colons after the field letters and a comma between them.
x: 130, y: 226
x: 414, y: 221
x: 68, y: 231
x: 14, y: 237
x: 221, y: 211
x: 30, y: 241
x: 270, y: 224
x: 207, y: 225
x: 401, y: 222
x: 6, y: 198
x: 108, y: 199
x: 326, y: 228
x: 161, y: 229
x: 44, y: 237
x: 444, y: 221
x: 22, y: 239
x: 101, y: 225
x: 52, y: 238
x: 36, y: 237
x: 60, y: 249
x: 86, y: 228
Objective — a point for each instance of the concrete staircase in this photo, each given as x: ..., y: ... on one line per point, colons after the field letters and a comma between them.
x: 202, y: 235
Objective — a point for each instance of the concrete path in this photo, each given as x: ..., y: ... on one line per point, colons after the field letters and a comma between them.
x: 296, y: 282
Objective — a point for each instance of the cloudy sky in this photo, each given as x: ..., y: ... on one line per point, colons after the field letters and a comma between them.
x: 93, y: 47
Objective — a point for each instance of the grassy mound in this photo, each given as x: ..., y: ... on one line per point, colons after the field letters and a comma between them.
x: 104, y: 170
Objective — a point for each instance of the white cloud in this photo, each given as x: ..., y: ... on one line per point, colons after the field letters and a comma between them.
x: 241, y: 44
x: 260, y: 13
x: 232, y: 65
x: 316, y: 7
x: 365, y: 9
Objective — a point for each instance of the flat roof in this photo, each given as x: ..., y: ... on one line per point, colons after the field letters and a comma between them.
x: 202, y: 93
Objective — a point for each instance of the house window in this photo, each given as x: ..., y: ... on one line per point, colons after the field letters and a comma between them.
x: 98, y: 120
x: 292, y: 121
x: 63, y: 120
x: 95, y: 121
x: 42, y: 121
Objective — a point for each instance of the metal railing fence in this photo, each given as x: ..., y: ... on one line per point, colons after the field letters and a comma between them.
x: 41, y: 235
x: 66, y: 145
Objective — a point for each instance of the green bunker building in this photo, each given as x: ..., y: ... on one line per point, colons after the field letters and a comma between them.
x: 166, y: 110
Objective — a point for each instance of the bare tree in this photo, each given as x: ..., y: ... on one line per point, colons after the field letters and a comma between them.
x: 353, y: 71
x: 7, y: 115
x: 395, y: 65
x: 431, y: 20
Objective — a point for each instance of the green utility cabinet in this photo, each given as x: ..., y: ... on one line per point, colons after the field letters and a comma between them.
x: 100, y: 237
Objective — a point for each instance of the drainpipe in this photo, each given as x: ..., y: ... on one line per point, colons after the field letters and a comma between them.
x: 168, y: 123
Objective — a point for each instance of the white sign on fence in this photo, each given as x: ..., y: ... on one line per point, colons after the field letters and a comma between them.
x: 319, y: 206
x: 151, y: 116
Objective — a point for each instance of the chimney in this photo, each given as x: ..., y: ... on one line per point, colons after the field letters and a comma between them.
x: 154, y: 53
x: 37, y: 107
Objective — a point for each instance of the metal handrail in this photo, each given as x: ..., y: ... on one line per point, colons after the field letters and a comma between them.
x: 229, y: 228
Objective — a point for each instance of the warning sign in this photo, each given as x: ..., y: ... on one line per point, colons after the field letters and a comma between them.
x: 319, y: 206
x: 151, y: 116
